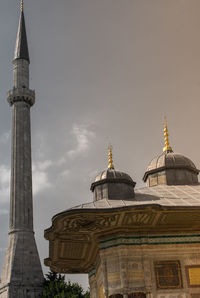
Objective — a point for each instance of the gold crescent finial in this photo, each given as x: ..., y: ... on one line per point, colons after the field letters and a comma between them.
x: 110, y: 164
x: 167, y: 148
x: 22, y: 5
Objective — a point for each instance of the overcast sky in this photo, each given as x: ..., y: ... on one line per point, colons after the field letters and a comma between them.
x: 104, y: 72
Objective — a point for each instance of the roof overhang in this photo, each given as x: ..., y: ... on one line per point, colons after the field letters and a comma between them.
x: 75, y: 234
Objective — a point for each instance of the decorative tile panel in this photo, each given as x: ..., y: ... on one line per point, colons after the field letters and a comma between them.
x: 168, y: 275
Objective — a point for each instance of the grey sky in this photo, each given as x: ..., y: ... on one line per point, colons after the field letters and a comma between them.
x: 104, y: 71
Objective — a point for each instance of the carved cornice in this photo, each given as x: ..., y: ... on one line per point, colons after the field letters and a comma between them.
x: 75, y: 235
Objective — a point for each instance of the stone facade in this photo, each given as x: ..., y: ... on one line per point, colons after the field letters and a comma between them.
x: 157, y: 267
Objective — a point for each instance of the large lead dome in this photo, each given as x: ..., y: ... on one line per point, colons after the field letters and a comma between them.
x: 171, y: 168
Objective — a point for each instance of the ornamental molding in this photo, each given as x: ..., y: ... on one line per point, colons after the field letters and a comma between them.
x: 149, y: 240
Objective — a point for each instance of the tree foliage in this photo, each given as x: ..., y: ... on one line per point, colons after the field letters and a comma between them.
x: 55, y: 286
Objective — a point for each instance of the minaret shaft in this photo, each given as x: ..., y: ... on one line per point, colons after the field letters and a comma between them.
x: 21, y: 211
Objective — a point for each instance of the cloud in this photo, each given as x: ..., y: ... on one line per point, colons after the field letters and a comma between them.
x: 44, y: 177
x: 4, y: 184
x: 43, y: 165
x: 39, y: 145
x: 4, y: 211
x: 4, y: 138
x: 83, y: 136
x: 65, y: 173
x: 40, y: 176
x: 40, y: 180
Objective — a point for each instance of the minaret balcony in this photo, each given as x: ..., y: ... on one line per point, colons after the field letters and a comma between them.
x: 21, y: 95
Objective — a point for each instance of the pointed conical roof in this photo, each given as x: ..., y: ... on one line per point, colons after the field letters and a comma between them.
x: 21, y: 49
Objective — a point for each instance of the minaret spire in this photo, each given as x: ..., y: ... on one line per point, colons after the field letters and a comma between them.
x: 22, y: 275
x: 21, y: 48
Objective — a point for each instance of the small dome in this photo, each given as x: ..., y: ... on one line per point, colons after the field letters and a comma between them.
x: 172, y: 169
x: 113, y: 174
x: 171, y: 159
x: 113, y: 185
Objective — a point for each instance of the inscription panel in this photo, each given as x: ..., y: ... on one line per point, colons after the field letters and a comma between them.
x: 135, y: 275
x: 138, y: 219
x: 193, y: 275
x: 168, y: 274
x: 114, y: 277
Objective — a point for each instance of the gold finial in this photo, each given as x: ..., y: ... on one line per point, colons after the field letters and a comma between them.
x: 167, y: 148
x: 22, y: 5
x: 110, y: 165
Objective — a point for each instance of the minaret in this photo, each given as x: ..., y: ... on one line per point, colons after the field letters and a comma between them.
x: 22, y: 275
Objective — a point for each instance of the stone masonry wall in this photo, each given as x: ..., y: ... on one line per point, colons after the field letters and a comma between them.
x: 159, y: 271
